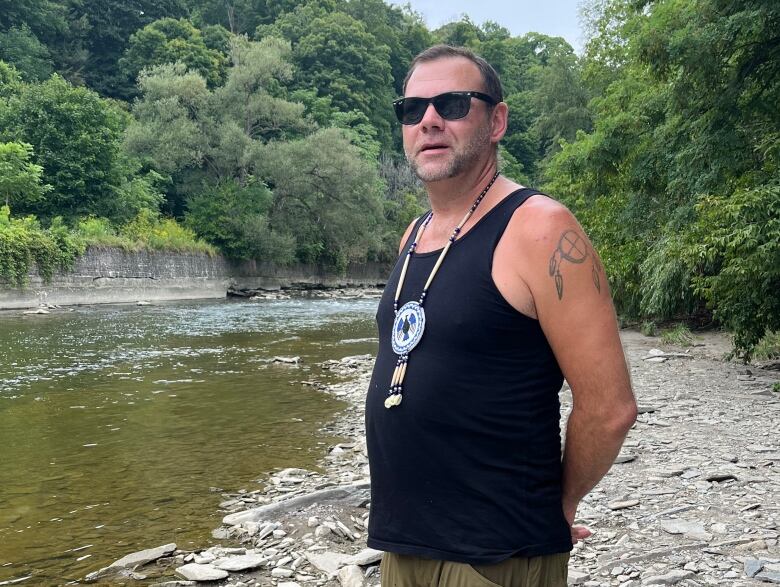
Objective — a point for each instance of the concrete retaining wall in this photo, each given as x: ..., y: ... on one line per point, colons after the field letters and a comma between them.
x: 104, y: 276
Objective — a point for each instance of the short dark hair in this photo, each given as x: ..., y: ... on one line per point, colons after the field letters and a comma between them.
x: 490, y: 78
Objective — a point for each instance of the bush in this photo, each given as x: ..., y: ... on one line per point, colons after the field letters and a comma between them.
x: 24, y: 243
x: 680, y: 335
x: 649, y: 328
x: 768, y: 348
x: 235, y: 218
x: 148, y: 230
x: 738, y: 238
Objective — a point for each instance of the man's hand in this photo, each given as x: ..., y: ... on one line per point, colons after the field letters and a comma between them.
x: 577, y: 532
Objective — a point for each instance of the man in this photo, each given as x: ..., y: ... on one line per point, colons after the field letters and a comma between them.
x: 497, y: 295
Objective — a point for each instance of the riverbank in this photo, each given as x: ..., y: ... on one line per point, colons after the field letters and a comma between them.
x: 691, y: 500
x: 112, y: 275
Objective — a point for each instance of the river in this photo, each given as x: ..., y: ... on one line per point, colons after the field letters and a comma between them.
x: 119, y: 425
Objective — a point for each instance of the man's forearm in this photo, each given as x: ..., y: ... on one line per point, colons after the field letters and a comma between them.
x: 592, y: 443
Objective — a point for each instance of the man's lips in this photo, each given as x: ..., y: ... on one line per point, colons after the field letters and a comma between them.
x: 433, y: 148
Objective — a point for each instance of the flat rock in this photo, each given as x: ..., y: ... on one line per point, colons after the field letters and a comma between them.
x: 196, y: 572
x: 133, y: 560
x: 240, y: 563
x: 622, y: 505
x: 367, y: 556
x: 670, y: 578
x: 753, y: 567
x: 328, y: 562
x: 769, y: 576
x: 577, y: 577
x: 721, y: 476
x: 351, y: 576
x: 624, y: 458
x: 142, y: 557
x: 693, y: 530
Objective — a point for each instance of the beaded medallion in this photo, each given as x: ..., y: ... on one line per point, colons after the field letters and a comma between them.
x: 409, y: 322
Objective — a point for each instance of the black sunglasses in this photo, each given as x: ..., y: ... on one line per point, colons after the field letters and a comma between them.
x: 450, y: 106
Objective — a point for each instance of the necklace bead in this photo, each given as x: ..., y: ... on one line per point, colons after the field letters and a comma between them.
x: 396, y: 384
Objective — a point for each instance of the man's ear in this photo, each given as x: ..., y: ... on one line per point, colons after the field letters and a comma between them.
x: 499, y: 119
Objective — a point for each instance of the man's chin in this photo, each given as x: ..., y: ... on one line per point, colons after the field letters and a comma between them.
x: 431, y: 173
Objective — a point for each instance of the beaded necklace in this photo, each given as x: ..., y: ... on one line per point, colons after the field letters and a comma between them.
x: 409, y: 322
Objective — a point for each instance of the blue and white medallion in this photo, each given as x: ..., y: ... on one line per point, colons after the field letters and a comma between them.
x: 408, y: 327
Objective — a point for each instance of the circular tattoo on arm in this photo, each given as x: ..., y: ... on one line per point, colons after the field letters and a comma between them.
x: 573, y: 248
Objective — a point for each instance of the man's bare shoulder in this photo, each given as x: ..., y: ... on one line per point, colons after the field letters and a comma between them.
x: 540, y: 223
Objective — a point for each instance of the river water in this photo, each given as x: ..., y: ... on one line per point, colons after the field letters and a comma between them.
x: 119, y: 425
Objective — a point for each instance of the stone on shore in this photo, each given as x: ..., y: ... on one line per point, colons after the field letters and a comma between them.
x: 351, y: 576
x: 753, y: 567
x: 367, y: 556
x: 328, y: 562
x: 242, y: 562
x: 577, y: 577
x: 196, y: 572
x: 670, y: 578
x: 688, y: 529
x: 133, y: 560
x: 142, y: 557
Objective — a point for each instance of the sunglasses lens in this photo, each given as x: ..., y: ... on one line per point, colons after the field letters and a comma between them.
x: 410, y: 110
x: 452, y: 106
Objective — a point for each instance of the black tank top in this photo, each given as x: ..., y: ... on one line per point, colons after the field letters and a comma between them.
x: 468, y: 467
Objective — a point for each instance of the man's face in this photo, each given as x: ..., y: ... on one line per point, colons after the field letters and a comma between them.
x: 436, y: 148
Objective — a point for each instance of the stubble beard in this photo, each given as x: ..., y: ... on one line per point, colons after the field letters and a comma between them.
x: 458, y: 162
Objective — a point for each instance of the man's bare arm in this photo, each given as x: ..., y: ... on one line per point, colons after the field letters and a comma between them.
x: 573, y: 304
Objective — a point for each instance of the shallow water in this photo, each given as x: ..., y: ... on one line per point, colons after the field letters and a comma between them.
x: 119, y: 424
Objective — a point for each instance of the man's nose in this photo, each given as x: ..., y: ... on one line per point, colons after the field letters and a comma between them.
x: 431, y: 118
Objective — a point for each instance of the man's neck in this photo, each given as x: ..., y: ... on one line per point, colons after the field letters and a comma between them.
x: 450, y: 198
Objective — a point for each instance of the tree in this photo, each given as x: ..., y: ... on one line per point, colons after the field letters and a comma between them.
x: 20, y: 179
x: 235, y: 218
x: 22, y: 48
x: 521, y: 139
x: 168, y: 41
x: 75, y: 136
x: 341, y: 59
x: 329, y: 199
x: 108, y: 25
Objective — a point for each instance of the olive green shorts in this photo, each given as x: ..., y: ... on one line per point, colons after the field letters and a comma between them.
x: 399, y: 570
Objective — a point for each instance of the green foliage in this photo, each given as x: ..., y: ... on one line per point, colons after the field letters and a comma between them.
x: 100, y: 233
x: 20, y: 180
x: 24, y: 243
x: 666, y: 275
x: 104, y: 33
x: 341, y: 59
x: 680, y: 335
x: 329, y: 199
x: 738, y: 239
x: 10, y: 80
x: 768, y: 348
x: 169, y: 41
x: 235, y: 219
x: 180, y: 125
x: 649, y: 328
x: 75, y: 136
x: 150, y: 231
x: 398, y: 214
x: 22, y: 48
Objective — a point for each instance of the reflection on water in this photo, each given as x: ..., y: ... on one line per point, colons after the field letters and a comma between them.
x: 118, y: 425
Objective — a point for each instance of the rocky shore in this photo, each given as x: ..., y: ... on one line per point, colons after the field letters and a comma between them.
x: 693, y: 498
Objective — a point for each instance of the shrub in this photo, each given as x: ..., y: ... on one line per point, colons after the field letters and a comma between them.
x: 679, y: 335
